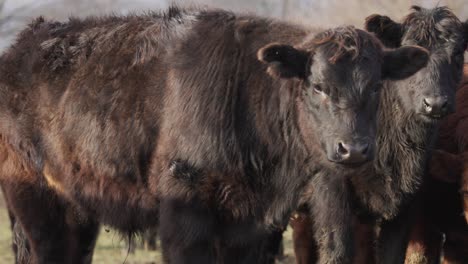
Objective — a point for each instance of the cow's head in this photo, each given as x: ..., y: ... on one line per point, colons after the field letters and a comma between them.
x: 431, y: 92
x: 341, y: 71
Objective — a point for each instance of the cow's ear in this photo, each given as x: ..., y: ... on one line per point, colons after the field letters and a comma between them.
x: 387, y: 30
x: 403, y: 62
x: 284, y: 61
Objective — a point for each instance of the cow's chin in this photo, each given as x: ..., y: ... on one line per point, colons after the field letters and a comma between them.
x: 352, y: 165
x: 430, y: 120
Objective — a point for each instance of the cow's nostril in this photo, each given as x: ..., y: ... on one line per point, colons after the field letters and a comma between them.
x: 365, y: 149
x: 444, y: 105
x: 341, y: 149
x: 436, y: 107
x: 425, y: 102
x: 427, y: 105
x: 353, y: 152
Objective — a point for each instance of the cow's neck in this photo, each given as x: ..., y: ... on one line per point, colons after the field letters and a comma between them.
x: 402, y: 144
x: 291, y: 162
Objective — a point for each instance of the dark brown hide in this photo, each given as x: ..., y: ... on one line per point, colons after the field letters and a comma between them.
x: 444, y: 199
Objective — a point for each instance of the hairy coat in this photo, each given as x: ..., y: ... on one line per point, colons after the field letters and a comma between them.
x: 406, y: 131
x: 444, y: 194
x: 446, y: 37
x: 210, y: 121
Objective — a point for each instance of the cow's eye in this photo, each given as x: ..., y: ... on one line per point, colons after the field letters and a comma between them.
x: 317, y: 88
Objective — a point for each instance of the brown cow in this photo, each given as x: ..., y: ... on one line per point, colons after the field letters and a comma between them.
x: 208, y: 120
x: 444, y: 194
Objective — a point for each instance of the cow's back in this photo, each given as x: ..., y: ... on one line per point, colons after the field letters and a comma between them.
x: 88, y: 77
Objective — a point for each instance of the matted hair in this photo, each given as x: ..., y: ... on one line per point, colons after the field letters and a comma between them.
x: 343, y: 42
x: 427, y: 26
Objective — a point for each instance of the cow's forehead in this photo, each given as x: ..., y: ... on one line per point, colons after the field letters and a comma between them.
x: 433, y: 28
x: 360, y: 70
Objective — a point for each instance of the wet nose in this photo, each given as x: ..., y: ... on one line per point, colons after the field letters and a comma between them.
x: 436, y: 107
x: 355, y: 152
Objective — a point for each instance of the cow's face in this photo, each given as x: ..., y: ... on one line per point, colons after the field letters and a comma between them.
x: 431, y: 92
x: 342, y: 71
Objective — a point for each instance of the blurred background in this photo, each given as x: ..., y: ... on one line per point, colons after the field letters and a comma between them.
x: 14, y: 14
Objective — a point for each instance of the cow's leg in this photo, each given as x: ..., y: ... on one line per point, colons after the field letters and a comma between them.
x: 266, y: 250
x: 305, y: 247
x: 187, y: 231
x: 464, y: 185
x: 20, y: 243
x: 13, y: 224
x: 365, y: 242
x: 244, y: 243
x: 54, y: 233
x: 280, y: 256
x: 393, y: 238
x: 425, y: 243
x: 150, y: 239
x: 333, y: 228
x: 274, y: 245
x: 455, y: 246
x: 82, y: 236
x: 14, y: 247
x: 249, y: 253
x: 41, y: 216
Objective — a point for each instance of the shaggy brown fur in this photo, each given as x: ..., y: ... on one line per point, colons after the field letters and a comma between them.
x: 211, y: 121
x: 406, y: 131
x: 444, y: 195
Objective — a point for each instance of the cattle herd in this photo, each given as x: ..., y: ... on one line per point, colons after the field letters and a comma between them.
x: 219, y: 129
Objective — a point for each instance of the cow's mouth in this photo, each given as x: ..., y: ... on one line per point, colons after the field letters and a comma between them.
x: 436, y: 117
x: 432, y: 117
x: 356, y: 164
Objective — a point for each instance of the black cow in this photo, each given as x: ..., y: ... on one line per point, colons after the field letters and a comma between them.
x: 407, y: 120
